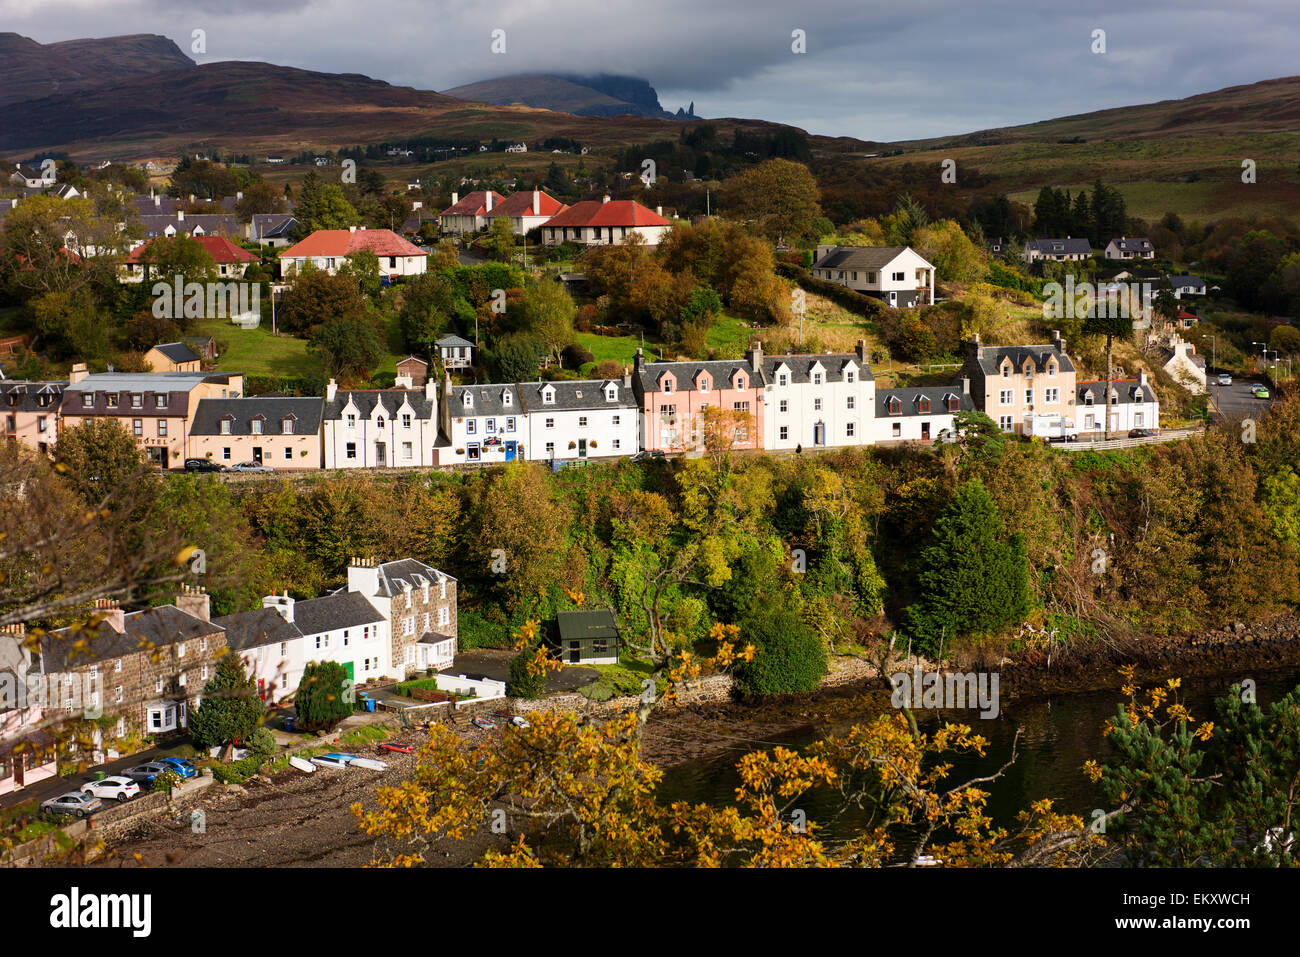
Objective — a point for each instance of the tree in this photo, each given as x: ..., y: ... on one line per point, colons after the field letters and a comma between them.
x: 1101, y: 322
x: 71, y: 323
x: 546, y: 312
x: 790, y: 657
x: 348, y: 346
x: 363, y: 268
x: 518, y: 357
x: 99, y: 456
x: 500, y: 239
x: 259, y: 197
x: 46, y: 245
x: 169, y: 256
x: 316, y: 297
x: 324, y: 697
x: 231, y: 708
x: 951, y: 252
x: 779, y: 197
x: 971, y: 581
x: 428, y: 305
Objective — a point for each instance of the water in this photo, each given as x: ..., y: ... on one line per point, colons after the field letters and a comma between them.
x: 1057, y: 736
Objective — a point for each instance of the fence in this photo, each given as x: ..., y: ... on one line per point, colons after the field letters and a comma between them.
x: 1127, y: 442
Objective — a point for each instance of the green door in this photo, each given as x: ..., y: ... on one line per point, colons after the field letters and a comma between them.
x: 347, y: 666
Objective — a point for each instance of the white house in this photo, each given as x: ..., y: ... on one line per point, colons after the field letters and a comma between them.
x: 419, y: 603
x: 1178, y: 358
x: 526, y: 211
x: 468, y: 215
x: 270, y: 645
x: 455, y: 352
x: 920, y: 415
x: 592, y: 223
x: 482, y: 423
x: 811, y: 401
x: 1133, y: 405
x: 1128, y: 247
x: 1068, y: 249
x: 377, y: 428
x: 580, y: 419
x: 898, y: 275
x: 328, y: 249
x: 1187, y: 286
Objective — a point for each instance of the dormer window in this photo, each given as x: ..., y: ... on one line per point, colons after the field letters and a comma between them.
x: 137, y: 400
x: 740, y: 382
x: 256, y: 425
x: 1137, y: 395
x: 1114, y: 397
x: 1051, y: 369
x: 817, y: 378
x: 895, y: 406
x: 954, y: 404
x: 923, y: 404
x: 111, y: 400
x: 87, y: 400
x: 379, y: 422
x: 548, y: 396
x: 225, y: 425
x: 850, y: 376
x: 467, y: 400
x: 704, y: 383
x: 352, y: 420
x: 783, y: 379
x: 668, y: 385
x: 1006, y: 371
x: 507, y: 399
x: 160, y: 400
x: 1087, y: 397
x: 286, y: 425
x: 611, y: 394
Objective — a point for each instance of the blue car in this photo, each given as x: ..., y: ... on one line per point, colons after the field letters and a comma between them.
x: 181, y: 766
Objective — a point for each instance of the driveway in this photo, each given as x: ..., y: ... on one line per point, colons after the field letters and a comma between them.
x: 494, y: 663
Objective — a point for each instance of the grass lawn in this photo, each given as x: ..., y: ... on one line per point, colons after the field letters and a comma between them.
x: 619, y: 348
x: 257, y: 351
x: 622, y: 679
x: 729, y: 336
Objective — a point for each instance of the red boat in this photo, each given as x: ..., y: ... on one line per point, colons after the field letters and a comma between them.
x: 399, y: 748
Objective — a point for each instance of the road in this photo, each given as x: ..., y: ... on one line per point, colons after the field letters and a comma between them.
x: 1235, y: 401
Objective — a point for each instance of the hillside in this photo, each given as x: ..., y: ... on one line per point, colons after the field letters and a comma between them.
x: 603, y: 95
x: 31, y: 70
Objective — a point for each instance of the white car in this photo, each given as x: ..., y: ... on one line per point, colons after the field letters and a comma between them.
x: 1225, y: 379
x: 116, y: 787
x: 334, y: 760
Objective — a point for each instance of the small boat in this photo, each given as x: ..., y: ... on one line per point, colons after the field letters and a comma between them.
x: 302, y: 764
x: 485, y: 724
x: 370, y: 764
x: 399, y: 748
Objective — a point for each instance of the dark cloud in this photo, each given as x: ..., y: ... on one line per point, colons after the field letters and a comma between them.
x: 872, y: 69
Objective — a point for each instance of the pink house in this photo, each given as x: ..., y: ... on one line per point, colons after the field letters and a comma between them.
x: 30, y: 412
x: 26, y: 748
x: 672, y: 395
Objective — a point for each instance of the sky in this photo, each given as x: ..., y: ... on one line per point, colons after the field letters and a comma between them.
x: 877, y: 71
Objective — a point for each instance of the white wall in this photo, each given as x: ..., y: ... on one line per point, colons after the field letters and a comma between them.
x: 802, y: 416
x: 612, y: 439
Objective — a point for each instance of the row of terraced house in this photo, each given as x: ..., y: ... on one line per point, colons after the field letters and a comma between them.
x: 782, y: 402
x: 142, y: 673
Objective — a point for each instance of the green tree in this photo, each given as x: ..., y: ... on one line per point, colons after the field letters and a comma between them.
x: 348, y: 346
x: 524, y: 682
x: 99, y: 457
x: 500, y: 239
x: 971, y: 581
x: 325, y: 696
x: 363, y: 267
x: 231, y: 709
x: 316, y: 297
x: 546, y: 312
x: 517, y: 358
x: 779, y: 197
x: 428, y: 305
x: 71, y: 324
x: 790, y: 658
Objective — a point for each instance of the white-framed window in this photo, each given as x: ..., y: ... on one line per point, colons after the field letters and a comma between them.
x: 1051, y: 395
x: 897, y: 430
x: 582, y: 421
x: 469, y: 426
x: 850, y: 376
x: 118, y: 667
x: 158, y: 685
x: 349, y: 451
x: 205, y: 672
x: 510, y: 423
x: 1004, y: 397
x: 1029, y: 397
x: 849, y: 429
x: 1004, y: 423
x: 225, y: 452
x: 783, y: 379
x: 180, y: 679
x: 117, y: 694
x: 256, y: 426
x: 284, y: 648
x: 444, y: 615
x: 784, y: 406
x: 852, y: 402
x: 616, y: 420
x: 225, y: 426
x: 180, y: 649
x: 121, y: 727
x: 618, y: 444
x: 491, y: 426
x: 817, y: 404
x: 406, y: 420
x: 352, y: 420
x: 408, y: 451
x: 286, y: 426
x: 288, y: 454
x: 785, y: 432
x: 550, y: 448
x: 550, y: 423
x: 162, y: 428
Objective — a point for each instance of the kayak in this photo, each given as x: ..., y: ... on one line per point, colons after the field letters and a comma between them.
x: 370, y: 764
x: 302, y: 764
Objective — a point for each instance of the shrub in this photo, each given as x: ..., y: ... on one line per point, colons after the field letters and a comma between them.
x: 790, y: 659
x: 522, y: 684
x: 262, y: 742
x: 167, y: 781
x: 324, y: 696
x: 237, y: 772
x: 575, y: 355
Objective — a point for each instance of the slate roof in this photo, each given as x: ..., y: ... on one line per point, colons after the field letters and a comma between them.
x: 576, y: 625
x: 343, y: 609
x: 452, y: 341
x: 212, y: 223
x: 20, y: 396
x: 990, y: 358
x: 488, y: 400
x: 307, y: 414
x: 1133, y: 244
x: 365, y: 401
x: 392, y: 575
x: 860, y: 257
x: 272, y: 225
x: 801, y: 367
x: 720, y: 371
x: 178, y: 352
x: 576, y: 395
x: 1124, y: 389
x: 252, y: 629
x: 144, y: 205
x: 1060, y: 247
x: 144, y: 630
x: 910, y: 399
x: 1186, y: 282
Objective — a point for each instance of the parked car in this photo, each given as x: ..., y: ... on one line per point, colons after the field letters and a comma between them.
x: 203, y: 465
x: 334, y: 760
x: 652, y: 454
x: 487, y: 724
x: 1068, y: 437
x: 1259, y: 392
x: 1225, y: 379
x: 76, y: 803
x: 116, y: 787
x: 1141, y: 433
x: 181, y: 766
x: 250, y: 467
x: 145, y: 773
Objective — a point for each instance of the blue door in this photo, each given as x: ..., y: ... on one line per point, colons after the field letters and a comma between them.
x: 510, y: 451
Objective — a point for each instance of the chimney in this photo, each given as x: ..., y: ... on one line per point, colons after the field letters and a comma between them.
x: 194, y: 600
x: 639, y: 361
x: 78, y: 373
x: 606, y: 199
x: 1142, y: 378
x: 627, y: 378
x: 861, y: 350
x: 489, y: 200
x: 281, y: 603
x: 431, y: 390
x: 191, y: 197
x: 965, y: 385
x: 537, y: 201
x: 363, y: 577
x: 659, y: 210
x: 239, y: 194
x: 331, y: 390
x: 13, y: 203
x: 352, y: 229
x: 755, y: 356
x: 455, y: 198
x: 1057, y: 342
x: 110, y: 613
x: 180, y: 215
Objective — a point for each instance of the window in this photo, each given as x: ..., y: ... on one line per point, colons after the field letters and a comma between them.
x: 849, y: 429
x: 1004, y: 397
x: 1029, y: 397
x: 817, y: 404
x: 785, y: 433
x: 782, y: 379
x: 352, y: 421
x: 284, y: 648
x: 118, y: 667
x: 255, y: 426
x: 1137, y: 419
x: 162, y: 428
x: 225, y: 426
x: 897, y: 431
x: 87, y: 400
x: 852, y: 402
x: 740, y: 406
x: 817, y: 378
x: 784, y: 406
x: 442, y: 588
x: 288, y: 454
x: 225, y: 452
x: 1051, y: 395
x: 350, y: 451
x: 137, y: 400
x: 895, y: 405
x: 1051, y: 369
x: 286, y: 426
x: 41, y: 424
x: 740, y: 382
x: 111, y: 400
x: 1004, y: 423
x: 1006, y: 372
x: 406, y: 420
x: 407, y: 451
x: 550, y: 448
x: 550, y: 422
x: 923, y: 404
x: 954, y: 404
x: 345, y: 638
x: 318, y: 641
x: 850, y: 377
x: 898, y: 276
x: 582, y: 421
x: 379, y: 422
x: 618, y: 444
x: 158, y: 685
x: 668, y: 385
x: 1114, y: 397
x: 469, y: 426
x: 444, y: 615
x: 160, y: 400
x: 491, y: 426
x: 548, y: 397
x: 137, y: 426
x: 472, y: 452
x: 180, y: 679
x: 180, y: 649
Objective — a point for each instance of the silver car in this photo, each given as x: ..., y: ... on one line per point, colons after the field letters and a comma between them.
x: 76, y: 803
x: 249, y: 467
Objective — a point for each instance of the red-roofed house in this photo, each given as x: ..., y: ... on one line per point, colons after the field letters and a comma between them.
x: 600, y: 223
x: 231, y: 260
x: 327, y: 249
x: 527, y: 210
x: 470, y: 214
